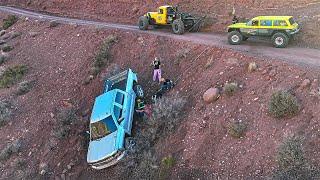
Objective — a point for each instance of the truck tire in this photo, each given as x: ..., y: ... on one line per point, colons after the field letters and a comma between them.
x: 235, y: 37
x: 138, y: 90
x: 143, y: 23
x: 178, y: 26
x: 280, y: 40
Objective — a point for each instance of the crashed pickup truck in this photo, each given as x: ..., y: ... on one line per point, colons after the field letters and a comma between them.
x: 111, y: 120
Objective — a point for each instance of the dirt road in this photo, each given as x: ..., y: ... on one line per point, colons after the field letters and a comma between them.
x: 292, y: 54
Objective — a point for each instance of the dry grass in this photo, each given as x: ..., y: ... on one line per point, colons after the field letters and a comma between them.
x: 230, y: 88
x: 237, y: 129
x: 5, y: 112
x: 9, y: 21
x: 11, y: 148
x: 66, y: 118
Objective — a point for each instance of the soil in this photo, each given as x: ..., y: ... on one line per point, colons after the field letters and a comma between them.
x: 60, y: 58
x: 219, y: 13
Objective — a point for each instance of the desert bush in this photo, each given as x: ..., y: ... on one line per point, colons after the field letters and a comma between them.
x: 237, y: 129
x: 12, y: 75
x: 103, y: 56
x: 3, y: 59
x: 11, y: 148
x: 5, y: 112
x: 65, y: 119
x: 24, y: 87
x: 230, y: 88
x: 292, y: 162
x: 6, y: 48
x: 283, y: 104
x: 15, y: 34
x: 9, y: 21
x: 53, y: 24
x: 167, y: 164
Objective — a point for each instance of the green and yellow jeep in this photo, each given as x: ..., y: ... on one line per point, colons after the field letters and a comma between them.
x: 279, y: 28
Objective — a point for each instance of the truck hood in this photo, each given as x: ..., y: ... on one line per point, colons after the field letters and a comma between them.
x: 102, y: 148
x: 237, y: 25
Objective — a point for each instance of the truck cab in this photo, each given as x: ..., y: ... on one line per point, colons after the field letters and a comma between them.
x: 111, y: 120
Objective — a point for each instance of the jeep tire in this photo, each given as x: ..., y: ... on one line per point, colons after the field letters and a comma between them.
x: 280, y: 40
x: 235, y: 37
x: 178, y: 26
x: 143, y: 23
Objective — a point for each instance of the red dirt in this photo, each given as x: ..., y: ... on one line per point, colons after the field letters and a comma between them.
x: 60, y: 59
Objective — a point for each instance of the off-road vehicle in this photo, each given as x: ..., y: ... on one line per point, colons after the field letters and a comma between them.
x: 170, y: 16
x: 280, y: 28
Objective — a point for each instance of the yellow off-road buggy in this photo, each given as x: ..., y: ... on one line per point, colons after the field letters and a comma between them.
x: 170, y: 16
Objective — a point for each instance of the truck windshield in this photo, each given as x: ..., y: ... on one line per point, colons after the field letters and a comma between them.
x: 102, y: 128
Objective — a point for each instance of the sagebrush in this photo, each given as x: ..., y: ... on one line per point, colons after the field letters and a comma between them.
x: 9, y: 21
x: 11, y: 148
x: 5, y: 112
x: 237, y: 129
x: 66, y: 117
x: 230, y: 88
x: 12, y: 75
x: 283, y: 104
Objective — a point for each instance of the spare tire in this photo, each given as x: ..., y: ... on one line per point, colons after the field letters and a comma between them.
x: 178, y: 26
x: 143, y: 23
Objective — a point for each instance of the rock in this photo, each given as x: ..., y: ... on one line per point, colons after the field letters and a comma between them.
x: 211, y: 95
x: 15, y: 34
x: 34, y: 34
x: 305, y: 83
x: 43, y: 168
x: 2, y: 42
x: 252, y: 67
x: 2, y: 32
x: 5, y: 36
x: 232, y: 61
x: 63, y: 176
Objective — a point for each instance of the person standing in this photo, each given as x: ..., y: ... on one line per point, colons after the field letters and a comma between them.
x: 156, y: 69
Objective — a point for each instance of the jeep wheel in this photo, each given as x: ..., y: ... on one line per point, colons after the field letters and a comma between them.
x: 138, y: 90
x: 280, y: 40
x: 235, y: 37
x: 178, y: 26
x: 143, y: 23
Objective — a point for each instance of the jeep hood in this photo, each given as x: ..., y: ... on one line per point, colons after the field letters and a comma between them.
x: 102, y: 148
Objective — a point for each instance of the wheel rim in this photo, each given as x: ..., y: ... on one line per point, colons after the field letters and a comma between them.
x: 235, y: 38
x: 279, y: 41
x: 176, y: 27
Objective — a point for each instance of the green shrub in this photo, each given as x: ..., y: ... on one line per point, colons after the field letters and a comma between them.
x: 11, y: 148
x: 9, y: 21
x: 290, y: 153
x: 168, y: 162
x: 5, y: 112
x: 230, y: 88
x: 103, y: 56
x: 283, y: 104
x: 237, y: 129
x: 65, y: 118
x: 12, y: 75
x: 3, y: 59
x: 7, y: 48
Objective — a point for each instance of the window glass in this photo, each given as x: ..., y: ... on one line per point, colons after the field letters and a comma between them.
x: 280, y: 23
x: 255, y: 23
x: 265, y: 23
x: 103, y: 128
x: 160, y: 11
x: 291, y: 20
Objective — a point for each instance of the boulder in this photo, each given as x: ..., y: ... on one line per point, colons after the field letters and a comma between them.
x: 252, y: 67
x: 305, y: 83
x: 2, y: 32
x: 211, y: 95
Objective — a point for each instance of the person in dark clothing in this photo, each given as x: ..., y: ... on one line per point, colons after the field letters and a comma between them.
x: 166, y: 84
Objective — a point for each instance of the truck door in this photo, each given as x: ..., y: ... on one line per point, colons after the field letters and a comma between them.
x: 162, y: 17
x: 265, y: 28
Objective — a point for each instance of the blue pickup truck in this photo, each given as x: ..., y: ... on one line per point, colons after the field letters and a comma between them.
x: 111, y: 119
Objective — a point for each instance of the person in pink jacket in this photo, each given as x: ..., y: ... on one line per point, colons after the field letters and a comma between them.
x: 156, y: 69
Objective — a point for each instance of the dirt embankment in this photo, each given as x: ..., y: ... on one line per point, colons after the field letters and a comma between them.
x: 60, y: 58
x: 218, y: 12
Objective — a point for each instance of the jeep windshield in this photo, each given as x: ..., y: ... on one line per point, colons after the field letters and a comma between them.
x: 102, y: 128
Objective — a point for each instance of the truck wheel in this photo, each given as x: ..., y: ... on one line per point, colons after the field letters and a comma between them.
x: 280, y: 40
x: 143, y: 23
x: 235, y: 37
x: 178, y: 26
x: 138, y: 90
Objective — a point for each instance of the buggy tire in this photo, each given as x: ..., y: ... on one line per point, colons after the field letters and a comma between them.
x: 178, y: 26
x: 280, y: 40
x: 143, y: 23
x: 235, y: 37
x: 138, y: 90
